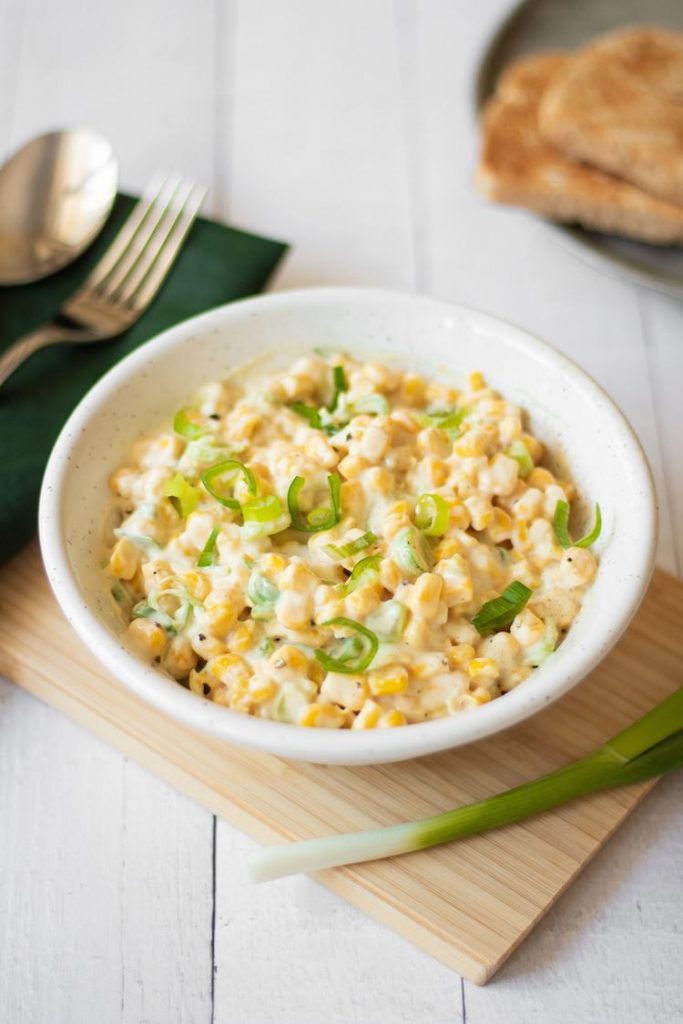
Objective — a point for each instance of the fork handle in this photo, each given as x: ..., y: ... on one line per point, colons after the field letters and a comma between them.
x: 41, y: 337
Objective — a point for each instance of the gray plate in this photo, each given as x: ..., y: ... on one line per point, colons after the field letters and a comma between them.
x: 564, y: 24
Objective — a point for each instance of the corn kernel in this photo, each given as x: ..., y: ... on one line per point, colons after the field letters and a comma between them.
x: 149, y: 636
x: 242, y: 637
x: 447, y: 547
x: 272, y: 563
x: 352, y: 466
x: 533, y: 446
x: 364, y: 600
x: 461, y: 655
x: 413, y: 389
x: 325, y: 716
x: 123, y: 562
x: 229, y: 668
x: 475, y: 381
x: 388, y: 680
x: 221, y: 613
x: 260, y: 689
x: 540, y: 478
x: 196, y: 584
x: 379, y: 479
x: 390, y: 575
x: 289, y: 656
x: 368, y: 716
x: 483, y: 668
x: 481, y: 695
x: 392, y: 719
x: 501, y: 526
x: 425, y: 595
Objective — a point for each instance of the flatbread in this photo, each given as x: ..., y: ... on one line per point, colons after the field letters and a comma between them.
x: 618, y: 104
x: 519, y: 167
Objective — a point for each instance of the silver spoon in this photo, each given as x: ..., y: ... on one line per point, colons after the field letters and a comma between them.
x: 55, y: 195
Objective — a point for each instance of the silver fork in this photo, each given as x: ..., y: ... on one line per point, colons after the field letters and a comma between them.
x: 126, y: 279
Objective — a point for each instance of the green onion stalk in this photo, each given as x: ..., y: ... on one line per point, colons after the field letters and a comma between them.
x: 650, y: 747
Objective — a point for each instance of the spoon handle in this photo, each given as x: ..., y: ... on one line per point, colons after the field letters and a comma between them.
x: 41, y: 337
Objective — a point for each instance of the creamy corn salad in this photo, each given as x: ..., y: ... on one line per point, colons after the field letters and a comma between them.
x: 345, y: 545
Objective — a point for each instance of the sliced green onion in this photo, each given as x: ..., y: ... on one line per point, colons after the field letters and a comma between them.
x: 208, y: 553
x: 341, y: 551
x: 172, y: 620
x: 265, y: 648
x: 540, y: 652
x: 184, y: 426
x: 561, y: 527
x: 450, y: 419
x: 499, y: 613
x: 351, y: 654
x: 204, y: 453
x: 263, y: 510
x: 318, y: 518
x: 262, y: 593
x: 183, y: 495
x: 650, y: 747
x: 520, y: 453
x: 307, y: 412
x: 371, y: 404
x: 232, y: 467
x: 411, y: 552
x: 147, y: 544
x: 432, y: 515
x: 364, y: 571
x: 339, y: 384
x: 388, y: 621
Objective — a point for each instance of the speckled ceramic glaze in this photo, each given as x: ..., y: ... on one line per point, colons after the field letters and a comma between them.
x: 568, y: 411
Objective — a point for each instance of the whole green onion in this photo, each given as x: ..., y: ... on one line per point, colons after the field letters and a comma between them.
x: 499, y: 613
x: 183, y: 495
x: 352, y: 654
x: 352, y: 548
x: 318, y: 518
x: 232, y: 467
x: 561, y: 527
x: 432, y: 515
x: 651, y: 746
x: 520, y: 453
x: 208, y: 553
x: 184, y: 426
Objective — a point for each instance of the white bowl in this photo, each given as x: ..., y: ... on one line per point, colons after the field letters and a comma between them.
x: 568, y: 411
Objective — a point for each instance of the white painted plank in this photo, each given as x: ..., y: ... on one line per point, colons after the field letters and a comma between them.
x: 134, y: 942
x: 612, y: 948
x: 291, y: 951
x: 663, y: 326
x: 60, y: 868
x: 141, y: 73
x: 166, y: 904
x: 317, y: 149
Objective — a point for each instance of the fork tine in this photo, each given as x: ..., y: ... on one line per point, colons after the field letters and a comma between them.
x: 126, y: 233
x: 141, y: 238
x: 169, y: 250
x: 155, y: 243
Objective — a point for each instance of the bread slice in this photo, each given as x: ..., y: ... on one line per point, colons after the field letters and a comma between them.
x: 618, y: 104
x: 519, y: 167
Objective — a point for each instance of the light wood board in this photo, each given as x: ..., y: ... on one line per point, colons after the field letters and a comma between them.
x: 468, y: 904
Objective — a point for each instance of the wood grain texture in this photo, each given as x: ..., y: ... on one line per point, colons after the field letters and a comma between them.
x: 468, y: 905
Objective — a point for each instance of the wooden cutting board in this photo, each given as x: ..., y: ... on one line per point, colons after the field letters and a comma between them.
x: 468, y: 904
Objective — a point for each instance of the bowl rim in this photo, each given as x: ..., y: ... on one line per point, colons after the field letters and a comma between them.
x: 327, y: 745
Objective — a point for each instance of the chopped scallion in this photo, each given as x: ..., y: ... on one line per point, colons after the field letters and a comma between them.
x: 317, y: 519
x: 208, y: 553
x: 351, y: 654
x: 363, y: 572
x: 339, y: 384
x: 498, y: 614
x: 412, y: 552
x: 520, y: 453
x: 231, y: 468
x: 432, y: 515
x: 308, y: 413
x: 183, y: 495
x: 561, y: 527
x: 183, y: 425
x: 341, y: 551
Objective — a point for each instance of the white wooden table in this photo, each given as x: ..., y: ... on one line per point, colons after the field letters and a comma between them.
x: 345, y: 127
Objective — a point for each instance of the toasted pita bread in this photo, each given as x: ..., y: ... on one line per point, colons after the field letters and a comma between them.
x: 519, y: 167
x: 618, y: 104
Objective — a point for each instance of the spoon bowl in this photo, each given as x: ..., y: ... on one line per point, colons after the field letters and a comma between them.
x: 56, y: 193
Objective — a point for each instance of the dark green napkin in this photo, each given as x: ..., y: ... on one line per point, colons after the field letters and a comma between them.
x: 216, y: 264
